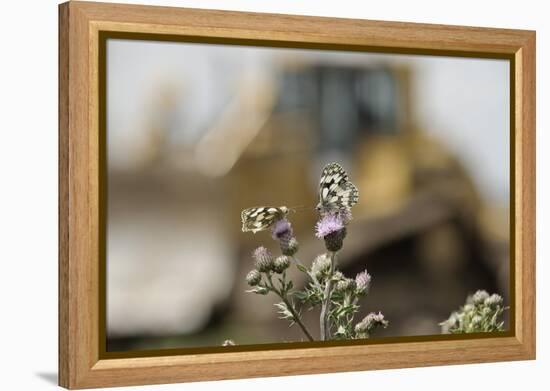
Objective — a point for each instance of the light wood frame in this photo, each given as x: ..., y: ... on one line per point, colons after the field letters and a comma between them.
x: 81, y: 364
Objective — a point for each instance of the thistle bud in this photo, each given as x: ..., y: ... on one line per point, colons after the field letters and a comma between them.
x: 263, y: 259
x: 335, y: 240
x: 493, y: 301
x: 282, y: 231
x: 479, y: 297
x: 345, y: 285
x: 281, y: 264
x: 321, y: 267
x: 253, y: 277
x: 289, y: 247
x: 337, y: 276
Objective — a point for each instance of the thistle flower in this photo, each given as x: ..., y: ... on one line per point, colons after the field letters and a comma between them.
x: 332, y: 229
x: 253, y: 277
x: 362, y: 282
x: 282, y: 231
x: 369, y: 323
x: 328, y: 224
x: 281, y: 264
x: 263, y: 259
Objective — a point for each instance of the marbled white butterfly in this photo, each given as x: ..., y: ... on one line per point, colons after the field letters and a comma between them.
x: 259, y: 218
x: 336, y: 192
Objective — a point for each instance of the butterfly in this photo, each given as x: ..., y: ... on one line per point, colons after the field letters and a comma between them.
x: 336, y: 192
x: 259, y: 218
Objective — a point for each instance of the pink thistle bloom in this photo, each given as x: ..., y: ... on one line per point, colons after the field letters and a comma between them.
x: 281, y: 228
x: 362, y: 280
x: 329, y: 223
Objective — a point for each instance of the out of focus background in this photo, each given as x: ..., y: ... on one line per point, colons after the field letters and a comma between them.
x: 198, y: 132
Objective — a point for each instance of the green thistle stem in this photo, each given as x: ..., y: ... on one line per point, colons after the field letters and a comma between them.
x: 290, y: 307
x: 325, y: 306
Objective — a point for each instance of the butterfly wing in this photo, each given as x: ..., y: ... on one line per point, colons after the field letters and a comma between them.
x: 261, y: 217
x: 336, y: 192
x: 347, y: 196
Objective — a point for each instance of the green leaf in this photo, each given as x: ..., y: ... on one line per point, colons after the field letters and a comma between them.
x: 301, y: 268
x: 284, y: 311
x: 259, y: 290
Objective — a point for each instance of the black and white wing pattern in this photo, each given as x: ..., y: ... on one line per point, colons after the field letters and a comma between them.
x: 336, y: 192
x: 259, y: 218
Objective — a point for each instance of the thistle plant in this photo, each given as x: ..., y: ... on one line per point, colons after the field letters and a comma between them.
x: 269, y: 275
x: 336, y: 296
x: 481, y: 313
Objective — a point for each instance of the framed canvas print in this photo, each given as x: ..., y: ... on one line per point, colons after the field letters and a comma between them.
x: 247, y: 195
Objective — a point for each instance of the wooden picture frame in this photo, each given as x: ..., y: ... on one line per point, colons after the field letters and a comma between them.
x: 83, y: 26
